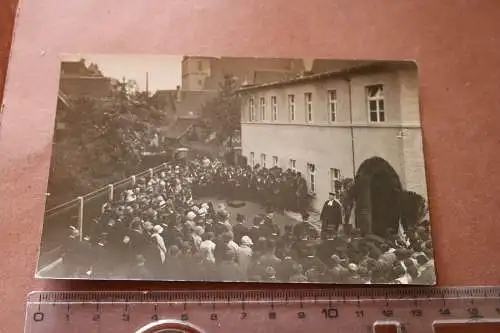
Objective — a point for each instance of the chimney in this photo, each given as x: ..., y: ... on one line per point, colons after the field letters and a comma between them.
x: 178, y: 94
x: 308, y: 64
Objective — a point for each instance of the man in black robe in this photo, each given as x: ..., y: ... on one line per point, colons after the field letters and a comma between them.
x: 331, y: 215
x: 239, y: 229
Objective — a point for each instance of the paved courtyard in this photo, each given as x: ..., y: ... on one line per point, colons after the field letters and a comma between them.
x: 251, y: 209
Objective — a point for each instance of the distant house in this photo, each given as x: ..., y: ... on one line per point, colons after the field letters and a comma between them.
x: 182, y: 103
x: 207, y: 73
x: 80, y: 80
x: 183, y: 129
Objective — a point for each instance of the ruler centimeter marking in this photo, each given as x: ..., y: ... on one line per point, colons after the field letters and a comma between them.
x: 335, y: 310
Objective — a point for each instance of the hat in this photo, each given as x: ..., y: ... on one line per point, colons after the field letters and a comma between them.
x: 331, y: 193
x: 74, y: 229
x: 336, y: 259
x: 270, y: 270
x: 199, y: 230
x: 191, y: 215
x: 190, y: 224
x: 245, y: 240
x: 158, y: 229
x: 352, y: 267
x: 148, y: 225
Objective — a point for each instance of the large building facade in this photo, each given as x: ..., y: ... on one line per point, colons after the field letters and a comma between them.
x: 328, y: 126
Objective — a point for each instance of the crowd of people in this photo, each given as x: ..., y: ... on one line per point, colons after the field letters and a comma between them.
x: 160, y: 229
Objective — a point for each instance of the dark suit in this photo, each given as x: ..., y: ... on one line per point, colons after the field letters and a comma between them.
x: 331, y: 216
x: 240, y: 230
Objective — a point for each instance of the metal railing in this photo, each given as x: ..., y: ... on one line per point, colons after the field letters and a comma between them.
x: 87, y: 207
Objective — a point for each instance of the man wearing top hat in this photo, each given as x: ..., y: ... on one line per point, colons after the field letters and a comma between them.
x: 331, y: 215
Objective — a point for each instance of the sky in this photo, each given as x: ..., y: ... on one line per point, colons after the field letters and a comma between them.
x: 164, y: 71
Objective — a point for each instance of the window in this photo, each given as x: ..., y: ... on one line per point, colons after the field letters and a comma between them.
x: 292, y: 164
x: 252, y: 159
x: 262, y: 108
x: 309, y: 107
x: 311, y: 175
x: 375, y: 98
x: 263, y: 160
x: 200, y: 82
x: 275, y: 161
x: 334, y: 179
x: 200, y: 66
x: 251, y: 109
x: 274, y: 108
x: 291, y: 107
x: 332, y: 105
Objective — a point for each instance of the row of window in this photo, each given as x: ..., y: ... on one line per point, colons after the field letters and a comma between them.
x: 374, y: 98
x: 312, y: 172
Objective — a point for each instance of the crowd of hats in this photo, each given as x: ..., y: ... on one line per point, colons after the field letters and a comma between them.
x: 159, y: 229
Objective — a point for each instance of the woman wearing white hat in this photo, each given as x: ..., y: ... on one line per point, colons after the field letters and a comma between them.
x: 244, y: 255
x: 196, y: 235
x: 190, y: 216
x: 159, y: 241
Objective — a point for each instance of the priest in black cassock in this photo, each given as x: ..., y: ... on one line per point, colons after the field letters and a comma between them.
x: 331, y: 215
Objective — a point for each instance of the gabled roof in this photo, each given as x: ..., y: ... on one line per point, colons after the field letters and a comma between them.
x: 371, y: 68
x: 267, y: 76
x: 74, y: 68
x: 190, y: 103
x: 330, y: 65
x: 179, y: 128
x: 91, y: 86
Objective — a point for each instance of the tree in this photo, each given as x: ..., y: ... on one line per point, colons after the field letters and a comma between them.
x: 103, y: 142
x: 222, y: 114
x: 94, y: 69
x: 413, y: 208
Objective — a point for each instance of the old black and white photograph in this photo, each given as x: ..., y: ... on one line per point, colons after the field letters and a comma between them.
x: 237, y: 169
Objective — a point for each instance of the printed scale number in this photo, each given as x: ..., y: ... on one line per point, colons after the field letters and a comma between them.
x: 363, y: 310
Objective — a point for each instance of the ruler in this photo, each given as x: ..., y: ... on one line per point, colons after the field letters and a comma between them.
x: 339, y: 310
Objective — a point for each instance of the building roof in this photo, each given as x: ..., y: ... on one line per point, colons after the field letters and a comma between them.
x: 190, y: 103
x: 73, y: 67
x: 91, y: 86
x: 79, y: 68
x: 370, y: 68
x: 330, y: 65
x: 243, y: 68
x: 184, y: 58
x: 179, y: 128
x: 267, y: 76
